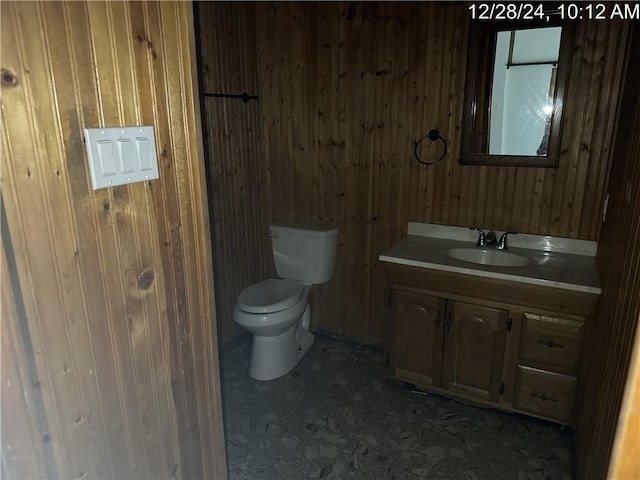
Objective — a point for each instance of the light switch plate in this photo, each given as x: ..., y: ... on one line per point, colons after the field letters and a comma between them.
x: 121, y: 155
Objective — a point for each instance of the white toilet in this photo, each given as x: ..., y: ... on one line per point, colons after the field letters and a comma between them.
x: 276, y: 311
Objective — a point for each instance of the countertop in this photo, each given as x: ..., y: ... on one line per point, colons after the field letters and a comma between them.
x: 552, y: 267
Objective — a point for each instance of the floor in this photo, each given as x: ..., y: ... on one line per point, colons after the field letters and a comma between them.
x: 335, y: 416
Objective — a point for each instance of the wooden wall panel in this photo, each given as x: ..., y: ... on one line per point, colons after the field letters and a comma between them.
x: 611, y: 337
x: 625, y: 462
x: 116, y: 282
x: 237, y: 180
x: 347, y: 88
x: 23, y: 446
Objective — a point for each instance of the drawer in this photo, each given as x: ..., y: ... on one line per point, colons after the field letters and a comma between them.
x: 546, y: 394
x: 550, y: 342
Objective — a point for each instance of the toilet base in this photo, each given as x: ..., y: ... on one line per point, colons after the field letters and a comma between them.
x: 274, y: 357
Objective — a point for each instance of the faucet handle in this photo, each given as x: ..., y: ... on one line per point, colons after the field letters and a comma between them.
x: 502, y: 243
x: 481, y: 237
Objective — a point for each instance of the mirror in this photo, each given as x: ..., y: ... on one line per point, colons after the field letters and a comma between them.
x: 514, y: 93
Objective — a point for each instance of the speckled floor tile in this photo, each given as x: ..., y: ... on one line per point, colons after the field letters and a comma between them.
x: 336, y: 417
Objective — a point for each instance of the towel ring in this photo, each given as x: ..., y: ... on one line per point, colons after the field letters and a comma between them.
x: 433, y: 135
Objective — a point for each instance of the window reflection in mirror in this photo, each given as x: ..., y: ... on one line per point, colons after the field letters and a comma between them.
x: 514, y: 93
x: 524, y: 73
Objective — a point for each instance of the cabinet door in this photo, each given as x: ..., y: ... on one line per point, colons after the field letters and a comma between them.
x: 416, y: 345
x: 474, y: 350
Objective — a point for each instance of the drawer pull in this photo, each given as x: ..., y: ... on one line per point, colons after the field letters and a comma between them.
x: 544, y: 397
x: 550, y: 343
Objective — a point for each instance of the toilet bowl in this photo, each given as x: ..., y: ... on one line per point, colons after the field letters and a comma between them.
x: 276, y: 311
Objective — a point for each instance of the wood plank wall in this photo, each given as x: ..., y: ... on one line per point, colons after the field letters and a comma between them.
x: 237, y: 179
x: 611, y: 339
x: 116, y: 283
x: 625, y: 462
x: 346, y: 89
x: 23, y: 452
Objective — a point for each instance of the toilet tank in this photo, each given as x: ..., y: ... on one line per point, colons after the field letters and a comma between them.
x: 304, y: 252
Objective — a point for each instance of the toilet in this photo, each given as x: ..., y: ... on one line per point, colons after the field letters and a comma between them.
x: 276, y: 311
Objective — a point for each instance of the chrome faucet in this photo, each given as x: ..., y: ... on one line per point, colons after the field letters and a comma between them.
x: 502, y: 243
x: 491, y: 240
x: 482, y: 239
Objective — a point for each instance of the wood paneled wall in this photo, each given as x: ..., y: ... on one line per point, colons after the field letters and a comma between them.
x: 625, y: 462
x: 116, y: 283
x: 237, y: 179
x: 346, y: 89
x: 611, y: 338
x: 24, y: 455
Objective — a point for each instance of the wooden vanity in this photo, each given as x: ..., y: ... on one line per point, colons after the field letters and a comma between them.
x: 510, y: 345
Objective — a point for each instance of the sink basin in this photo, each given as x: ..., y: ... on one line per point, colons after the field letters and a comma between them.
x: 496, y: 258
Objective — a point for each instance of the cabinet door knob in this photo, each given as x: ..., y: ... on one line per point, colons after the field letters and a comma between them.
x: 550, y: 343
x: 544, y: 397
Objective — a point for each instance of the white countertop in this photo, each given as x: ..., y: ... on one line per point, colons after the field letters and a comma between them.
x: 550, y: 262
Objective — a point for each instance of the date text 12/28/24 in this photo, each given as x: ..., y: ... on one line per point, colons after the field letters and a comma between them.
x: 563, y: 11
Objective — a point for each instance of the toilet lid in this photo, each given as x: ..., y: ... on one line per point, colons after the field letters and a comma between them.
x: 270, y: 296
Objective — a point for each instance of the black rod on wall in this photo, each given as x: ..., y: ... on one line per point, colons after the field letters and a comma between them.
x: 245, y: 97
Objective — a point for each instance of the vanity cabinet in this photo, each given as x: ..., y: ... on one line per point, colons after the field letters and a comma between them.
x: 447, y: 344
x: 512, y: 346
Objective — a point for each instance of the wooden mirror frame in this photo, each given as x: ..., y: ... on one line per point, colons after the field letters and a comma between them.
x: 478, y: 86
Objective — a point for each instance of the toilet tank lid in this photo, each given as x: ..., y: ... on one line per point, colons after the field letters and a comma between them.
x: 304, y: 229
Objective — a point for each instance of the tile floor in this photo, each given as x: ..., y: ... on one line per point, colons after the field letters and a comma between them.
x: 335, y: 416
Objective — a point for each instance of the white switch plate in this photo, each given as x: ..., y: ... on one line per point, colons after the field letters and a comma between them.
x: 121, y: 155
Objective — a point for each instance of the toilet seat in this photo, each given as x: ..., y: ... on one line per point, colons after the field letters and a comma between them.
x: 268, y: 296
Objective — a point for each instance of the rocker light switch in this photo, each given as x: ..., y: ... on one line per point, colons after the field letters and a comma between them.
x: 121, y: 155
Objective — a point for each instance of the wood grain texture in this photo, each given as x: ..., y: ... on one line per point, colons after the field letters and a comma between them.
x: 411, y: 287
x: 236, y: 173
x: 474, y: 345
x: 23, y: 445
x: 625, y: 462
x: 416, y: 336
x: 116, y: 282
x: 347, y: 89
x: 545, y: 394
x: 551, y: 343
x: 486, y: 291
x: 610, y: 343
